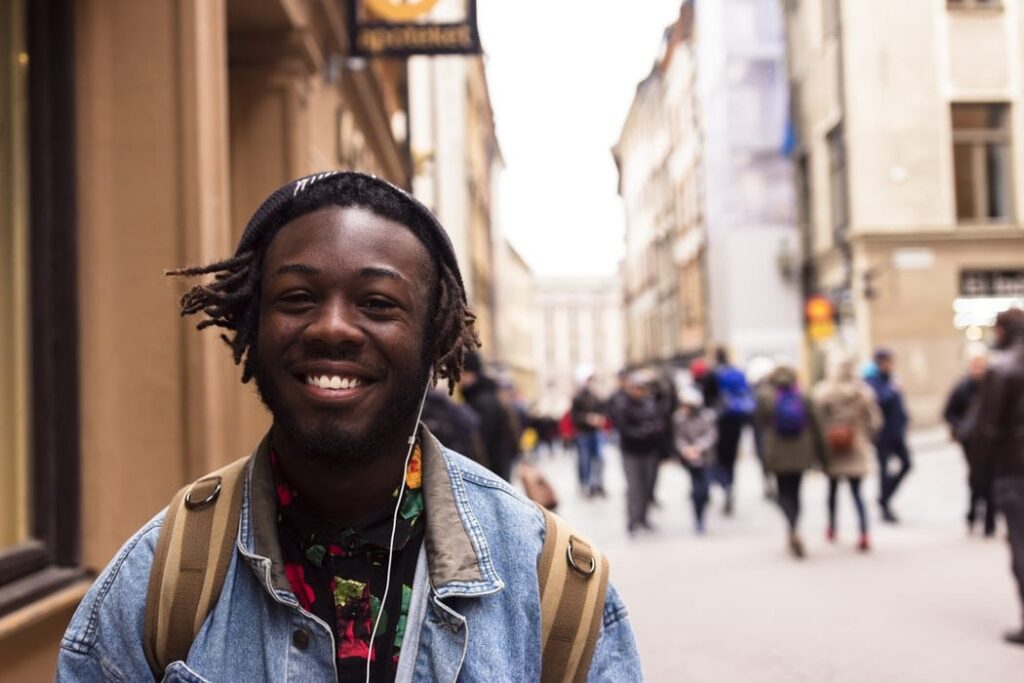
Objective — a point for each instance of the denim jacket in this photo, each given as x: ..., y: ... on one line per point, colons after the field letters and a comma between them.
x: 474, y: 614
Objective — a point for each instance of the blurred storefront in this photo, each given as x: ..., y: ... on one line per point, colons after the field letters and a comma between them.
x: 140, y: 136
x: 907, y: 142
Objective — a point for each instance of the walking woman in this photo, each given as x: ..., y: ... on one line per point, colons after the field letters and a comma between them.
x: 792, y: 443
x: 850, y: 419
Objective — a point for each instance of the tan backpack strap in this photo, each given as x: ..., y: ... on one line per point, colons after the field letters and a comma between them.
x: 573, y: 577
x: 192, y: 557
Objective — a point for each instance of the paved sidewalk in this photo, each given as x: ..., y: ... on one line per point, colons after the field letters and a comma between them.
x: 927, y: 604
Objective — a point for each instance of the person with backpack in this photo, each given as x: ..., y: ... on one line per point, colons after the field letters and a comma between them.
x: 694, y: 436
x: 850, y: 418
x: 792, y: 443
x: 351, y: 544
x: 727, y: 391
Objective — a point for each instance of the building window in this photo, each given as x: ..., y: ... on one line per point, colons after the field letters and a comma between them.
x: 838, y: 183
x: 981, y: 162
x: 39, y: 436
x: 974, y: 4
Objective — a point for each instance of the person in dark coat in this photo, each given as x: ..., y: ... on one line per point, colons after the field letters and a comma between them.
x: 641, y: 426
x: 998, y: 438
x: 960, y: 414
x: 891, y: 441
x: 496, y: 428
x: 588, y: 417
x: 455, y: 425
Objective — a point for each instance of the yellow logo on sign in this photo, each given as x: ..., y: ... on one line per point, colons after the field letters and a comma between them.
x: 400, y: 10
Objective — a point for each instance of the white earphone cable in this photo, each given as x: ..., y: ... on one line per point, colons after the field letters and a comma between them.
x: 394, y: 526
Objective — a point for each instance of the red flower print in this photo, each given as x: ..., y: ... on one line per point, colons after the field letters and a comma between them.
x: 352, y: 645
x: 284, y: 495
x: 297, y: 580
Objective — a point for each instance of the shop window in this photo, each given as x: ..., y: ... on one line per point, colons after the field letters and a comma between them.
x: 981, y: 162
x: 39, y: 476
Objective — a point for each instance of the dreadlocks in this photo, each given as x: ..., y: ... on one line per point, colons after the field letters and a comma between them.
x: 232, y: 299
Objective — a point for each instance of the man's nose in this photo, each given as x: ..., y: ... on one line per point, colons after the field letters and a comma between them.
x: 337, y: 323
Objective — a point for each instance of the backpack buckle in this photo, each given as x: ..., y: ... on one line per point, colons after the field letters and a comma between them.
x: 198, y: 488
x: 587, y: 573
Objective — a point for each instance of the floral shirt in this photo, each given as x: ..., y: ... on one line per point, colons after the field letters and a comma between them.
x: 339, y: 574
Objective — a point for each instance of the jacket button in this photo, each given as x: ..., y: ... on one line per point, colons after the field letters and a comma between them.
x: 300, y: 639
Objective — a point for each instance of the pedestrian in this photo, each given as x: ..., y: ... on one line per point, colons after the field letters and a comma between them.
x: 350, y: 530
x: 727, y: 391
x: 891, y: 441
x: 792, y: 443
x: 455, y: 425
x: 641, y: 427
x: 961, y: 414
x: 849, y: 419
x: 694, y: 435
x: 700, y: 374
x: 588, y: 419
x: 567, y: 432
x: 998, y: 439
x: 497, y: 427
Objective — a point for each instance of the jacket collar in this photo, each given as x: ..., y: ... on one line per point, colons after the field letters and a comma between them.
x: 458, y: 559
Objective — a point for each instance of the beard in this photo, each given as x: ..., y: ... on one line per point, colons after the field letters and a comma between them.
x: 325, y: 440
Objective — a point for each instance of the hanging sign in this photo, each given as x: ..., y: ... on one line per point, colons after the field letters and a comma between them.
x: 402, y: 28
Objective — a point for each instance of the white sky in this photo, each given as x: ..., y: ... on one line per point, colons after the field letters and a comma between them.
x: 562, y: 74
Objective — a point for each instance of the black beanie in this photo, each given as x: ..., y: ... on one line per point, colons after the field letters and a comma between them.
x: 270, y: 217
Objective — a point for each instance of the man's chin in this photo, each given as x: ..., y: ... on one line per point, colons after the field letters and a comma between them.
x: 333, y: 446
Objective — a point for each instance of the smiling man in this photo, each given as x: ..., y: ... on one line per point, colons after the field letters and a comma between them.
x: 358, y: 547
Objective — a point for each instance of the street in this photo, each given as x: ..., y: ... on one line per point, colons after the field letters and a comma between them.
x: 928, y: 603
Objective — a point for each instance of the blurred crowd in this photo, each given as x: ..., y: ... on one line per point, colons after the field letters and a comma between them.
x: 848, y: 425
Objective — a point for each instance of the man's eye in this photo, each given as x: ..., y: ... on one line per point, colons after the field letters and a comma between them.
x: 378, y: 304
x: 295, y: 298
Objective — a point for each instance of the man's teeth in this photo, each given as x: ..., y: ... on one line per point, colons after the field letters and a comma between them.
x: 333, y: 381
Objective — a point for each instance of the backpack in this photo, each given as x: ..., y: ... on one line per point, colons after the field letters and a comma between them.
x: 736, y: 398
x: 790, y: 413
x: 197, y: 541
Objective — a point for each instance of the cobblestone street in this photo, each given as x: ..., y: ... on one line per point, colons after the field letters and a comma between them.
x: 929, y: 603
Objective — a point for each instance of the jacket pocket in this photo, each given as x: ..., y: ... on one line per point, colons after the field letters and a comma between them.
x: 178, y: 672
